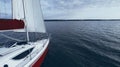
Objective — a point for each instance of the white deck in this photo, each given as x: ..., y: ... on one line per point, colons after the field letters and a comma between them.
x: 8, y: 53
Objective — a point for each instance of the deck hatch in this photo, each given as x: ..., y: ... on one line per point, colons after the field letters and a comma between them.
x: 23, y: 54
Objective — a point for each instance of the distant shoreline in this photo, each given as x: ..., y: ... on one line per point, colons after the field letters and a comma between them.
x: 82, y: 19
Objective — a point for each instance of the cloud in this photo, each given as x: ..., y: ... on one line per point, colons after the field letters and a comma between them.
x: 96, y: 13
x: 5, y: 6
x: 81, y: 9
x: 5, y: 1
x: 5, y: 9
x: 74, y: 9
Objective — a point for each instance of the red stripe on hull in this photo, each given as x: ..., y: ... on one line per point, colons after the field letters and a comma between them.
x: 7, y: 24
x: 40, y: 60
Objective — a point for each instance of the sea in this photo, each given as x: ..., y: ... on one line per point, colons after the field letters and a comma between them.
x: 83, y: 44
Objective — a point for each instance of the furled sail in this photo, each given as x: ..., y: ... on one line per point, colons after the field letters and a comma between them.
x: 9, y: 24
x: 33, y: 16
x: 25, y: 12
x: 18, y: 15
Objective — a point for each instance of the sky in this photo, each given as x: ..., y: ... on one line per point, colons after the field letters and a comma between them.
x: 81, y: 9
x: 5, y: 9
x: 5, y: 6
x: 76, y: 9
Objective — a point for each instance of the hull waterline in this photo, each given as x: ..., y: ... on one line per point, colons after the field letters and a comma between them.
x: 40, y: 60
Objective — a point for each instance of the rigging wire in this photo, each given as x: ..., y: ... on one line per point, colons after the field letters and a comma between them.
x: 26, y: 24
x: 11, y: 38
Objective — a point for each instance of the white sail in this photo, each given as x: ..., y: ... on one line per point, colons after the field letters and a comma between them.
x: 30, y: 11
x: 33, y: 16
x: 18, y: 12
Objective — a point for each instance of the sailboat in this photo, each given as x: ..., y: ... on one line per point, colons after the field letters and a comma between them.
x: 24, y: 40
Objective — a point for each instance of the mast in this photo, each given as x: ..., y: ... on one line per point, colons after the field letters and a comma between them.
x: 27, y: 33
x: 12, y: 8
x: 19, y: 13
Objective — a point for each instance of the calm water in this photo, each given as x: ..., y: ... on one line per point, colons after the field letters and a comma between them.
x: 83, y: 44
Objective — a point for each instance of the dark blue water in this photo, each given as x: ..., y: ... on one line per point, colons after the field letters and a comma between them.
x: 83, y: 44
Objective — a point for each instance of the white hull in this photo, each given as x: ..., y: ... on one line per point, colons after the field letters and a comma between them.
x: 38, y: 49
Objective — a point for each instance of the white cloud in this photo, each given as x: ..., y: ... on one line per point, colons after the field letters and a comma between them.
x: 5, y: 9
x: 81, y: 9
x: 96, y: 13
